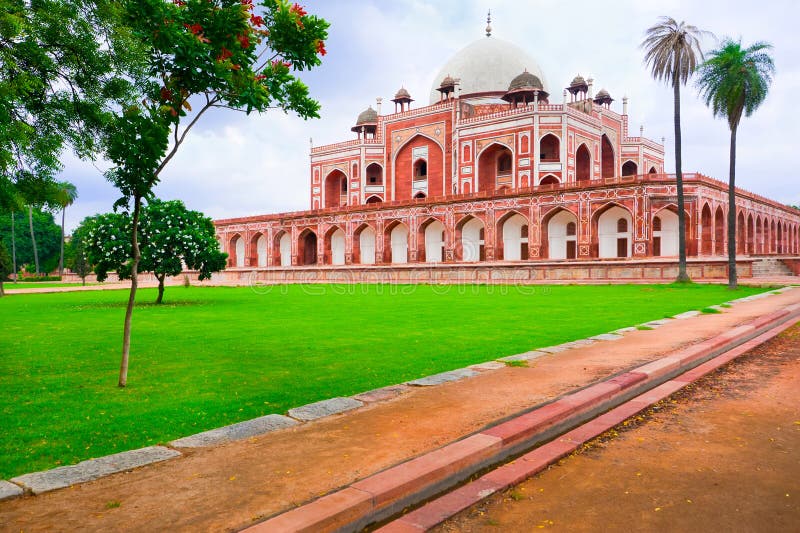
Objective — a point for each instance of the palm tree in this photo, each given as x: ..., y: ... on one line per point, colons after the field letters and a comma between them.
x: 672, y: 50
x: 65, y: 195
x: 735, y: 81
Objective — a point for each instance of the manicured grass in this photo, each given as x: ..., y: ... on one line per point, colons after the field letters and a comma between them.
x: 214, y: 356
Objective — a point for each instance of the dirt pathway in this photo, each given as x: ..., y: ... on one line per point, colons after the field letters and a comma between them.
x: 721, y: 456
x: 230, y: 486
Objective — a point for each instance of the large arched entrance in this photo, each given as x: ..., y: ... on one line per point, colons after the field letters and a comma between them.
x: 583, y: 164
x: 471, y: 240
x: 307, y: 248
x: 614, y: 233
x: 237, y: 252
x: 607, y: 166
x: 495, y: 168
x: 665, y: 234
x: 397, y: 237
x: 705, y: 230
x: 335, y: 246
x: 284, y: 240
x: 514, y: 234
x: 562, y: 236
x: 336, y: 189
x: 259, y: 244
x: 432, y: 234
x: 364, y: 245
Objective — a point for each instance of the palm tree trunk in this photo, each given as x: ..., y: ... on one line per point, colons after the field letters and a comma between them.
x: 683, y: 277
x: 126, y: 333
x: 61, y: 257
x: 732, y: 281
x: 13, y: 247
x: 33, y: 239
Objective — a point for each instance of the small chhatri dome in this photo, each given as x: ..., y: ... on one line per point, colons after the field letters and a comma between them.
x: 526, y: 81
x: 448, y: 81
x: 401, y: 94
x: 368, y: 116
x: 578, y: 81
x: 603, y: 98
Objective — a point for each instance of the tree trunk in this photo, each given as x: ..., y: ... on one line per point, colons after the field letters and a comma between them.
x: 61, y: 257
x: 160, y: 278
x: 732, y: 280
x: 33, y: 239
x: 683, y: 277
x: 2, y: 292
x: 126, y: 333
x: 13, y: 247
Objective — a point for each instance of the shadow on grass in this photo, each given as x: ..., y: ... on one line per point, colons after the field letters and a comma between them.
x: 145, y: 305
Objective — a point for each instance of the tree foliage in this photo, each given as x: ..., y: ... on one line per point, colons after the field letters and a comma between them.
x: 201, y: 54
x: 64, y: 64
x: 5, y: 266
x: 48, y: 238
x: 734, y: 81
x: 171, y: 236
x: 76, y: 254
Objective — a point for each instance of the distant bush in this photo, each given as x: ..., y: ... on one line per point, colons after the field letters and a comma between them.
x: 35, y: 279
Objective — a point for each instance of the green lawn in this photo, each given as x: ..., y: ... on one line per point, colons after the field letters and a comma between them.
x: 214, y: 356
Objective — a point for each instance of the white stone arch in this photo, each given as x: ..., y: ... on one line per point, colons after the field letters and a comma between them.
x: 285, y: 248
x: 668, y: 234
x: 366, y: 244
x: 611, y: 241
x: 471, y: 241
x: 562, y: 243
x: 515, y: 238
x: 398, y: 239
x: 261, y: 250
x: 434, y: 242
x: 240, y: 251
x: 337, y: 246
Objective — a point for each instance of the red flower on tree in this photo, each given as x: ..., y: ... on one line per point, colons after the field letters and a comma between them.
x: 194, y: 28
x: 224, y: 54
x: 257, y: 20
x: 298, y: 10
x: 244, y: 41
x: 321, y: 48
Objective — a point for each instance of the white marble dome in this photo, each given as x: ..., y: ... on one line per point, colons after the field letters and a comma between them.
x: 487, y: 66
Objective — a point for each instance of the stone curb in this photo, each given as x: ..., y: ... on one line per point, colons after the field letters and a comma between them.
x: 93, y: 468
x: 503, y: 477
x: 64, y: 476
x: 382, y: 495
x: 238, y: 431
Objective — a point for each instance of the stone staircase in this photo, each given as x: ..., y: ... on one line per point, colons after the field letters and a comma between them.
x: 769, y: 267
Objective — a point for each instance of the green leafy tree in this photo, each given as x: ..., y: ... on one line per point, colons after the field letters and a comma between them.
x: 734, y: 82
x: 5, y: 267
x: 64, y: 64
x: 672, y: 51
x: 171, y: 239
x: 48, y: 240
x: 77, y: 253
x: 203, y: 54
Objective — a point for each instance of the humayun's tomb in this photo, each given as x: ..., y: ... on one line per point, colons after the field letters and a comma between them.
x: 494, y: 180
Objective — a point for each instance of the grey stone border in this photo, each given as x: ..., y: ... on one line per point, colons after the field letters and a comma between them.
x: 65, y: 476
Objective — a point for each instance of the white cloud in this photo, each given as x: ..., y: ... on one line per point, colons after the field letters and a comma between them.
x: 236, y: 165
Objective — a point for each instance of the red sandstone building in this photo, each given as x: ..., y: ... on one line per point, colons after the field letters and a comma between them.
x: 495, y: 174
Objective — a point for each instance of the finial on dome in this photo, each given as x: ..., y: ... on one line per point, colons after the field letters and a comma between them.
x: 489, y: 23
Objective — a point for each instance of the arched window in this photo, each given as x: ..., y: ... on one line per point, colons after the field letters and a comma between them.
x: 374, y: 174
x: 583, y: 161
x: 571, y: 228
x: 607, y: 166
x: 420, y: 169
x: 504, y: 163
x: 467, y: 153
x: 419, y: 196
x: 629, y: 168
x: 549, y: 148
x: 622, y: 225
x: 656, y: 223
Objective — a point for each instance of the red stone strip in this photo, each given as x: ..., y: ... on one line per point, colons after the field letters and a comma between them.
x: 439, y: 510
x: 379, y: 495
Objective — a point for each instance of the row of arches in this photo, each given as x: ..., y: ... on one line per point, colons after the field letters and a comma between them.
x: 612, y: 231
x: 494, y: 170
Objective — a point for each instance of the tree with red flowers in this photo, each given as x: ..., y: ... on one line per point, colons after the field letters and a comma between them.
x: 203, y: 54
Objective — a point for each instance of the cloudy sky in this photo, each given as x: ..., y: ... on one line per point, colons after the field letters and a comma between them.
x: 235, y: 165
